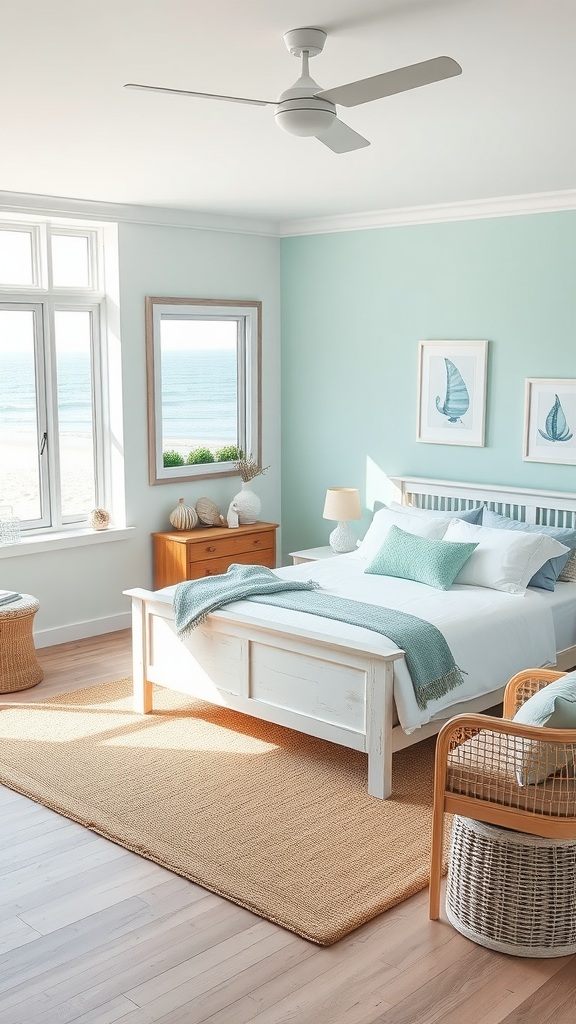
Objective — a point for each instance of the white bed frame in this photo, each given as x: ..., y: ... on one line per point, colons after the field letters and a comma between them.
x: 333, y: 689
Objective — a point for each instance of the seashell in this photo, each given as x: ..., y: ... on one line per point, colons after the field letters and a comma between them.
x: 557, y: 428
x: 183, y: 517
x: 208, y: 512
x: 457, y: 398
x: 100, y: 519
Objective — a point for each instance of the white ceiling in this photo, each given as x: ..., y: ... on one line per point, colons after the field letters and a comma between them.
x: 67, y: 128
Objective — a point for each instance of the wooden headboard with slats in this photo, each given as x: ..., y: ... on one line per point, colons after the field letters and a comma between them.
x: 546, y: 508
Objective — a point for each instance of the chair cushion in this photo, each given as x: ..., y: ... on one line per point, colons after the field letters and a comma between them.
x: 552, y: 707
x: 487, y: 766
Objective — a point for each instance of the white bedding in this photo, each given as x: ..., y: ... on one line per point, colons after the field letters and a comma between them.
x: 562, y: 602
x: 492, y: 635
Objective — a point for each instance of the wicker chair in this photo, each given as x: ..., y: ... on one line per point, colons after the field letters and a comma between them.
x: 477, y: 761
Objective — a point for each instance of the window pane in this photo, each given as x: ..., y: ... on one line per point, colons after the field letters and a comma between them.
x: 199, y: 386
x: 16, y: 257
x: 73, y: 331
x: 70, y: 264
x: 19, y: 465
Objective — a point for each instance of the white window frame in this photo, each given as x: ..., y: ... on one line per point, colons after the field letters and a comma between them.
x: 248, y: 315
x: 46, y: 300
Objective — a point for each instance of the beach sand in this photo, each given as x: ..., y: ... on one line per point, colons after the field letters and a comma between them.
x: 19, y: 474
x: 19, y: 471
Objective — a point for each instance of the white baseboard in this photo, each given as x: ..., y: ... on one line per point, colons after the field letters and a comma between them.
x: 80, y: 630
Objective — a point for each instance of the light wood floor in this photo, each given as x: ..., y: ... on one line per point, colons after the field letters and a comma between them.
x: 92, y: 933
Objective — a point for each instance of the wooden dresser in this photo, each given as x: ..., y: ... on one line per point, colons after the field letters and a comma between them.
x: 189, y: 554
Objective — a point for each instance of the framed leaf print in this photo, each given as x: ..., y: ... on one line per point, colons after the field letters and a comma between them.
x: 550, y: 420
x: 452, y: 392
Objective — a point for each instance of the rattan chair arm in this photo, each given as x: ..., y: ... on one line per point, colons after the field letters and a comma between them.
x: 518, y: 682
x: 480, y: 723
x: 455, y: 732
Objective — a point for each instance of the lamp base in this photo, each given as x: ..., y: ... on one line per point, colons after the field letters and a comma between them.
x: 342, y: 539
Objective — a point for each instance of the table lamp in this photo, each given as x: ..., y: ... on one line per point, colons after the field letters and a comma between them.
x: 342, y: 504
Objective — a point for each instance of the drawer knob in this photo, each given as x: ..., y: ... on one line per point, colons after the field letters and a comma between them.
x: 256, y: 540
x: 208, y: 572
x: 211, y: 547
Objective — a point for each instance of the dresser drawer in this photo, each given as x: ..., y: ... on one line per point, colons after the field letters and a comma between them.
x: 215, y: 566
x: 191, y: 554
x: 231, y: 544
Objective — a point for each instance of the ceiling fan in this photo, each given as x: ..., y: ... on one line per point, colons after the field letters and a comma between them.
x: 306, y: 109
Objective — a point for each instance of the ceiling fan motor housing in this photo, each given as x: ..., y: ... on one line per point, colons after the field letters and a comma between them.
x: 304, y: 115
x: 300, y: 112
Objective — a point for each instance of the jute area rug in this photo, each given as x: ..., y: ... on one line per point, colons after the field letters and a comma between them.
x: 278, y: 822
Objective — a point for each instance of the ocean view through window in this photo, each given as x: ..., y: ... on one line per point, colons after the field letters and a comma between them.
x: 203, y: 359
x: 55, y: 424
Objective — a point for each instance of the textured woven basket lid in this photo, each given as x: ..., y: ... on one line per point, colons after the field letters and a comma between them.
x: 22, y: 605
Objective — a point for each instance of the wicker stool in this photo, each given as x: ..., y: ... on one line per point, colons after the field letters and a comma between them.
x: 511, y: 891
x: 19, y: 667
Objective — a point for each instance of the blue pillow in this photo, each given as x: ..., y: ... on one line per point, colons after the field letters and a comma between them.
x: 434, y: 562
x: 468, y: 515
x: 546, y: 577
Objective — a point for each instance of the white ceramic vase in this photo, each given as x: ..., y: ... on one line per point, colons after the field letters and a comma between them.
x: 248, y: 504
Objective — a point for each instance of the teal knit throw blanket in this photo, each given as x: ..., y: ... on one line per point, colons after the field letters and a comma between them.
x: 195, y: 599
x: 428, y: 657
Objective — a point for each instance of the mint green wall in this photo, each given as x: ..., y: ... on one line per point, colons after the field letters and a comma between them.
x: 355, y: 305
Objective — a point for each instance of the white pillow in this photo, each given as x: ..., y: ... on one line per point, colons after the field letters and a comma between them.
x: 384, y: 519
x: 504, y: 560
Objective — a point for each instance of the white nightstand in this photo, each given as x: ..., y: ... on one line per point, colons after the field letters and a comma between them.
x: 311, y: 555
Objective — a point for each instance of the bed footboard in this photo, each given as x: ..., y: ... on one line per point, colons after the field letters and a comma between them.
x: 297, y: 679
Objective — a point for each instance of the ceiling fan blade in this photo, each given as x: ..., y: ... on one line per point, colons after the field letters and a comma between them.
x: 201, y: 95
x: 342, y: 139
x: 391, y: 82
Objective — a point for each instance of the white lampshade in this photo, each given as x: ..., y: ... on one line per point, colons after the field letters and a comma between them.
x: 342, y: 504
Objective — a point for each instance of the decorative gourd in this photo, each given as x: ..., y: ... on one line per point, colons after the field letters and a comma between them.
x: 183, y: 517
x: 208, y: 512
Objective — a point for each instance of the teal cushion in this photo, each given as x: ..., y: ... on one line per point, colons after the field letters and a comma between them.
x: 546, y: 577
x: 434, y: 562
x: 553, y: 707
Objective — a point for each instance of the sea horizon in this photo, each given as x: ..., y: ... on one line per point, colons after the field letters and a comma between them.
x: 191, y: 415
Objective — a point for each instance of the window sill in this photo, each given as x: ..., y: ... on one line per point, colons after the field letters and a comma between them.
x: 65, y: 539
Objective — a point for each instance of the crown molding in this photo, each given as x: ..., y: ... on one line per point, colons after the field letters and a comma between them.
x: 158, y: 216
x: 473, y: 209
x: 21, y: 203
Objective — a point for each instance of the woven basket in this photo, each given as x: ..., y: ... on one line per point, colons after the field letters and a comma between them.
x: 510, y: 891
x: 19, y: 667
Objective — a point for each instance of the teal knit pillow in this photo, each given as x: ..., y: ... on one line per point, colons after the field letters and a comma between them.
x: 435, y: 562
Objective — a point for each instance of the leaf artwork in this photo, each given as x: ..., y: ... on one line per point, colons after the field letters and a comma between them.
x: 457, y: 400
x: 557, y: 428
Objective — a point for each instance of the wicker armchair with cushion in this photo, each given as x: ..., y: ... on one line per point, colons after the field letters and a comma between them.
x: 506, y: 773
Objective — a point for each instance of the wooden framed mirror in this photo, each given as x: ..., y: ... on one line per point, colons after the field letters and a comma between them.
x: 203, y: 361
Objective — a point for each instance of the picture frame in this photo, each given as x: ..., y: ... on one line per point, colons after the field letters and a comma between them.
x: 550, y: 420
x: 452, y: 392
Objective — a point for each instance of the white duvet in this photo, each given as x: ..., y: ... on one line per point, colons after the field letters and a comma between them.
x: 492, y: 635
